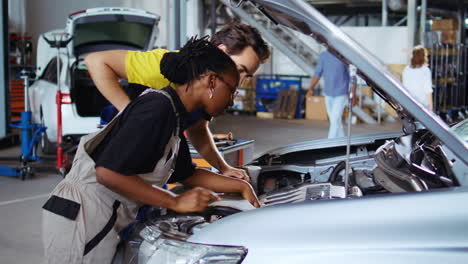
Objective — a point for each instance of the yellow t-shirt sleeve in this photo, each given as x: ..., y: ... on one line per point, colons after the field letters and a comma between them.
x: 143, y: 67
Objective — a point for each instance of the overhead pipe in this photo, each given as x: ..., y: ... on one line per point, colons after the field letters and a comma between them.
x: 177, y: 25
x: 399, y: 23
x: 384, y: 13
x: 422, y: 22
x: 182, y: 22
x: 213, y: 16
x: 169, y: 27
x: 442, y: 12
x: 17, y: 15
x: 411, y: 24
x: 461, y: 22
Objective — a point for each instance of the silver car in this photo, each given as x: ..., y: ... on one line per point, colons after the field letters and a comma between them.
x: 386, y: 198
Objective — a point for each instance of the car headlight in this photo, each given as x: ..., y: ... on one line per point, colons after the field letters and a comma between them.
x: 163, y: 242
x: 182, y: 252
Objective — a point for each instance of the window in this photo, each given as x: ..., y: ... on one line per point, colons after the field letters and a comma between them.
x: 50, y: 73
x: 124, y: 29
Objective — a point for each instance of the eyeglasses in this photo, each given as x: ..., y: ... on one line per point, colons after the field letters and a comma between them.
x: 232, y: 88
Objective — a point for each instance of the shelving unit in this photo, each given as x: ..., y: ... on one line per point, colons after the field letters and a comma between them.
x: 448, y: 64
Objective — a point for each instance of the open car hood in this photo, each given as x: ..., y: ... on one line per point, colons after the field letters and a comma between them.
x: 301, y: 16
x: 98, y: 29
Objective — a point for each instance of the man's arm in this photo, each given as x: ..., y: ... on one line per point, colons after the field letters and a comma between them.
x: 219, y: 183
x: 135, y: 188
x: 202, y: 140
x: 313, y: 83
x: 317, y: 75
x: 105, y: 68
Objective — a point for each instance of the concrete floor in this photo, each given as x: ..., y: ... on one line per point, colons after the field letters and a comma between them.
x: 21, y: 201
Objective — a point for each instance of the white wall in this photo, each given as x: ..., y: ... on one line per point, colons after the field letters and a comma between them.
x: 389, y: 44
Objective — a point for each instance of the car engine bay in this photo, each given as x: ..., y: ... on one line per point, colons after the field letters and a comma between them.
x: 410, y: 163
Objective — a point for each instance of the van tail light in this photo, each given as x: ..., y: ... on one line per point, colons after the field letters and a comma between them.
x: 63, y: 98
x: 66, y: 99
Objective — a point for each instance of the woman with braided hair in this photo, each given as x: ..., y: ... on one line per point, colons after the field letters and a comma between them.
x: 242, y: 42
x: 125, y: 165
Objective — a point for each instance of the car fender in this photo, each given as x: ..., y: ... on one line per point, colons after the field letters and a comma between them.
x: 424, y: 227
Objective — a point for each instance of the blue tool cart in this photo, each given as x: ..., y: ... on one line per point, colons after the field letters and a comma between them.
x: 269, y: 85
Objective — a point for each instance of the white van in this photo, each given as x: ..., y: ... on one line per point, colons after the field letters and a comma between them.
x: 90, y: 30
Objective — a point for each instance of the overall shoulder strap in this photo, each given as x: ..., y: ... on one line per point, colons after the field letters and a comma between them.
x: 166, y: 94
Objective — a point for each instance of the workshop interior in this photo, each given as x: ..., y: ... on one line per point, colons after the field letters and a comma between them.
x: 390, y: 186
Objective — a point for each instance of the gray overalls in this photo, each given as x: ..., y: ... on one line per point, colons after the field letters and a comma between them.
x: 82, y: 218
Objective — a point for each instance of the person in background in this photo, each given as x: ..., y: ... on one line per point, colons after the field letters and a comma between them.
x: 417, y: 77
x: 336, y: 75
x: 241, y: 42
x: 127, y: 163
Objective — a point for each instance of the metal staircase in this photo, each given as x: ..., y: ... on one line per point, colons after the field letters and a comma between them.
x: 378, y: 111
x: 298, y: 51
x: 279, y: 36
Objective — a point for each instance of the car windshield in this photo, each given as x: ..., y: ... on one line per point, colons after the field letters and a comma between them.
x: 133, y: 33
x: 461, y: 130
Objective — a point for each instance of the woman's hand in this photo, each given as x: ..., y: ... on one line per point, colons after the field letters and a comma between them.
x: 249, y: 194
x: 236, y: 173
x: 220, y: 183
x: 195, y: 200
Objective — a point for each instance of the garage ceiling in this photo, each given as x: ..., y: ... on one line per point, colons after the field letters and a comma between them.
x: 337, y: 7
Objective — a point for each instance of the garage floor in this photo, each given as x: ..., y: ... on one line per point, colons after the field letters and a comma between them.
x: 21, y: 201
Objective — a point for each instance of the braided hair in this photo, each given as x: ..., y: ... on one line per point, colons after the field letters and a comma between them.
x: 195, y: 58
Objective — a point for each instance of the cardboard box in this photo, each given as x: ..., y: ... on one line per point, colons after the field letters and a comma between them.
x: 315, y: 108
x: 265, y: 115
x: 391, y: 111
x: 286, y: 104
x: 366, y: 90
x: 444, y: 24
x: 248, y: 83
x: 245, y: 100
x: 396, y: 70
x: 449, y: 36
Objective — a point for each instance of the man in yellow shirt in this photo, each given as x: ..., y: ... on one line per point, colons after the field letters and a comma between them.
x: 241, y: 42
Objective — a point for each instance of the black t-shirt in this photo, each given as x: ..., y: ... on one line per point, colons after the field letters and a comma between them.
x: 134, y: 90
x: 137, y: 141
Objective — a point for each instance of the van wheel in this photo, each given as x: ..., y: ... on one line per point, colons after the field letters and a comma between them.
x: 46, y: 146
